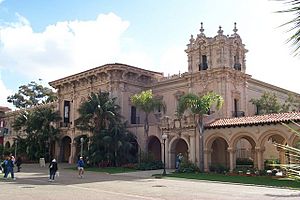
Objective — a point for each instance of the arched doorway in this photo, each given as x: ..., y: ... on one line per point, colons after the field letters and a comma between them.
x: 65, y: 149
x: 219, y: 153
x: 7, y: 145
x: 154, y: 148
x: 134, y: 151
x: 179, y: 146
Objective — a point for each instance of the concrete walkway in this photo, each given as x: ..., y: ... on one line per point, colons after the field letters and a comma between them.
x: 32, y: 184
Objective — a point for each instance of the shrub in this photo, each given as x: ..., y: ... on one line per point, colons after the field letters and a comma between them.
x: 218, y: 168
x: 244, y: 161
x: 270, y: 162
x: 187, y: 167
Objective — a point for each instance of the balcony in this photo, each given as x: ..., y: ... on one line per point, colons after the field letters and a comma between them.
x: 238, y: 114
x: 203, y: 66
x: 237, y: 66
x: 64, y: 124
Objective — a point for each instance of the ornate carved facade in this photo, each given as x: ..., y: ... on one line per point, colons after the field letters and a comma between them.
x: 214, y: 64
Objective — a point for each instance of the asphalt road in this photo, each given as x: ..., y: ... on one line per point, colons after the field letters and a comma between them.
x: 32, y: 184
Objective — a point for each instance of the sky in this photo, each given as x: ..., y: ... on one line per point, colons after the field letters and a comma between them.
x: 46, y: 40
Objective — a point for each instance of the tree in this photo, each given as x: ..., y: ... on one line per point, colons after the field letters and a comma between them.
x: 267, y: 103
x: 39, y: 126
x: 32, y: 94
x: 295, y: 23
x: 146, y: 102
x: 292, y: 103
x: 199, y: 106
x: 97, y: 112
x: 110, y: 140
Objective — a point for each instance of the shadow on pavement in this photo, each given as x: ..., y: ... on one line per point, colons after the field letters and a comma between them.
x: 33, y: 174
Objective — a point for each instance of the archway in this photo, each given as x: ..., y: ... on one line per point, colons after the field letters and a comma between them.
x: 179, y: 146
x: 65, y: 149
x: 245, y: 151
x: 134, y: 151
x: 219, y: 153
x: 154, y: 148
x: 272, y: 154
x: 7, y: 145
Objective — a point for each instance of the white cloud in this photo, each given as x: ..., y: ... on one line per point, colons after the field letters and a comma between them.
x: 63, y: 48
x: 173, y: 61
x: 4, y: 94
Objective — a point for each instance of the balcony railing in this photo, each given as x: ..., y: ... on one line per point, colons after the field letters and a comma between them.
x: 64, y: 125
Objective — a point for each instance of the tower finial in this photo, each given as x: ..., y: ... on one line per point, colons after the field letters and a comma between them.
x: 201, y: 29
x: 192, y: 39
x: 220, y: 31
x: 235, y: 29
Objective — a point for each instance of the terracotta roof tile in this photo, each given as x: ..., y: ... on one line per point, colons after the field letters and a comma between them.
x: 255, y: 120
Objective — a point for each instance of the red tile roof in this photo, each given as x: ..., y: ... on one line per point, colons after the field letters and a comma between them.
x: 255, y: 120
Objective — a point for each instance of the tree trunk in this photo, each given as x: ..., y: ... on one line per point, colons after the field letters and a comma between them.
x: 146, y: 130
x: 201, y: 142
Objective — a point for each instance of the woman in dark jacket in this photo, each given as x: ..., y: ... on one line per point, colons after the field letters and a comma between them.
x: 53, y: 168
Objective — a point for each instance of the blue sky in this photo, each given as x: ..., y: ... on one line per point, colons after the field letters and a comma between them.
x: 51, y: 39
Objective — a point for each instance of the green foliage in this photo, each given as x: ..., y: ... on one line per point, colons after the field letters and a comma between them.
x: 187, y: 166
x: 292, y: 103
x: 111, y: 142
x: 256, y: 180
x: 148, y: 162
x: 294, y: 23
x: 221, y: 169
x: 39, y: 128
x: 244, y: 161
x: 146, y: 102
x: 199, y: 105
x: 31, y: 95
x: 267, y: 103
x: 97, y: 112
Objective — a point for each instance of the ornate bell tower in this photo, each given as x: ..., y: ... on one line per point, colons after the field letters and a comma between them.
x: 221, y: 51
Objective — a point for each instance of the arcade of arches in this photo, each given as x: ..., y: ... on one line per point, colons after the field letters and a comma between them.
x: 225, y: 145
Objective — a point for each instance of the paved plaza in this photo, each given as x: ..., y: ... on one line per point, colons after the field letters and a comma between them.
x: 32, y: 184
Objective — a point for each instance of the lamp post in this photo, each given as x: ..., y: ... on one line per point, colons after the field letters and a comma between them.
x: 16, y: 146
x: 81, y: 146
x: 164, y: 137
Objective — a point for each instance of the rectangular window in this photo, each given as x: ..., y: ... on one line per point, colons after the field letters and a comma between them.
x: 66, y: 111
x: 133, y: 115
x: 203, y: 64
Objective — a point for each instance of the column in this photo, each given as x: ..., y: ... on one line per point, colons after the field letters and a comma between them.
x: 197, y: 159
x: 72, y: 157
x: 167, y: 153
x: 231, y: 158
x: 57, y: 154
x: 207, y: 158
x: 259, y: 157
x: 192, y: 149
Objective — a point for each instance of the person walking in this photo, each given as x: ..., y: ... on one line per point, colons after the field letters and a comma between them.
x: 52, y: 168
x: 9, y: 165
x: 80, y: 167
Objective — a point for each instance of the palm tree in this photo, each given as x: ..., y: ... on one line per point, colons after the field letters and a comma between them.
x: 97, y: 112
x: 199, y: 106
x: 295, y: 23
x: 100, y: 115
x: 146, y: 102
x: 38, y: 124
